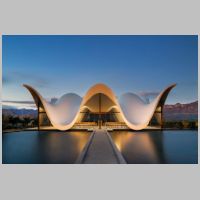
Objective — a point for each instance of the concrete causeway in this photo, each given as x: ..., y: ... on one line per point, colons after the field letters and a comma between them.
x: 101, y: 150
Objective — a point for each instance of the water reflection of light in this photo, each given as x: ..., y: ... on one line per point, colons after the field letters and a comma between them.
x: 60, y: 147
x: 121, y: 140
x: 138, y: 147
x: 78, y: 139
x: 82, y: 139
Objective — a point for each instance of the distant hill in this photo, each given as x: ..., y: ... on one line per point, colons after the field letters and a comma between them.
x: 181, y: 111
x: 171, y: 112
x: 20, y: 112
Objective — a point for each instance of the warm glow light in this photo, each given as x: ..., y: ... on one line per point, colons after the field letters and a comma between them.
x: 133, y: 110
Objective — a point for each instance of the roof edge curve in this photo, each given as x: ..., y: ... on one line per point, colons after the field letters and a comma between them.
x: 101, y: 88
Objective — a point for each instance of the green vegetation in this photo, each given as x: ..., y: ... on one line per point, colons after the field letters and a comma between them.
x: 19, y: 122
x: 16, y: 122
x: 181, y: 124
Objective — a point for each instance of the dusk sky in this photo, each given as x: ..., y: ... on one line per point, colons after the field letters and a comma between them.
x: 55, y: 65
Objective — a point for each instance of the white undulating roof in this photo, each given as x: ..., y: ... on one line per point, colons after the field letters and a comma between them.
x: 134, y: 111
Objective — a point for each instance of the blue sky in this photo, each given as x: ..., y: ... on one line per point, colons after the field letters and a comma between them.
x: 56, y: 65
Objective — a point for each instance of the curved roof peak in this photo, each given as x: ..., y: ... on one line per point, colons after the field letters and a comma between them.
x: 135, y: 113
x: 99, y: 85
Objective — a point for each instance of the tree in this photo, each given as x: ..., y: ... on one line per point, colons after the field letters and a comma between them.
x: 26, y: 120
x: 192, y: 125
x: 179, y: 125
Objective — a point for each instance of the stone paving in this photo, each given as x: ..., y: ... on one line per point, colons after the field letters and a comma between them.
x: 100, y: 150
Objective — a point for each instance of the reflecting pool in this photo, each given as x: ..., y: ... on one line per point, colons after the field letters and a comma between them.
x: 33, y: 147
x: 149, y: 147
x: 143, y: 147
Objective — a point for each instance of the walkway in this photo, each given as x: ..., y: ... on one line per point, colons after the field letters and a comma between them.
x: 101, y: 150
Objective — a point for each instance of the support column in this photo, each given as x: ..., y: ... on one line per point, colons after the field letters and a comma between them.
x: 38, y: 115
x: 158, y: 115
x: 99, y: 111
x: 161, y: 112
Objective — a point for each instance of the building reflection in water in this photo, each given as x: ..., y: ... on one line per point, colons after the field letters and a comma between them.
x: 32, y: 147
x: 140, y: 147
x: 43, y: 147
x: 61, y: 147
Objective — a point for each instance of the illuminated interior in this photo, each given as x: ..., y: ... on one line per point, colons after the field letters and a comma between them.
x: 100, y: 108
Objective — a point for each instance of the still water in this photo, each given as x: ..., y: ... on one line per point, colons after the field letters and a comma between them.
x: 32, y: 147
x: 148, y: 147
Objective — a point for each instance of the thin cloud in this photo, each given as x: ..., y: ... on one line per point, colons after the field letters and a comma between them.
x: 148, y: 94
x: 16, y: 76
x: 6, y: 104
x: 19, y: 102
x: 33, y: 79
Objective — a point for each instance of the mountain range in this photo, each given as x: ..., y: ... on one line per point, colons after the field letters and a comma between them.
x: 180, y: 111
x: 20, y: 112
x: 174, y: 112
